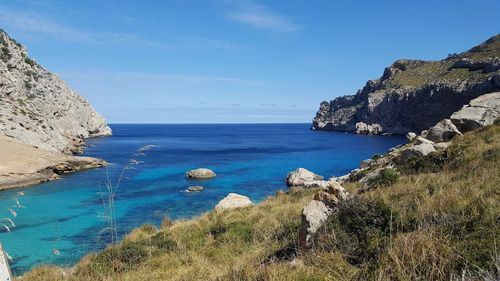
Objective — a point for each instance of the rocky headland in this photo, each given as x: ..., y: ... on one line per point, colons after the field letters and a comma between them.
x: 42, y: 119
x: 413, y: 95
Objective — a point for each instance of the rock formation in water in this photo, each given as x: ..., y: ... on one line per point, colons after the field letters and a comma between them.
x: 38, y: 108
x: 413, y: 95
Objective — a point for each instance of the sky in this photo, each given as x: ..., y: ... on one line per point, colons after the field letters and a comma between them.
x: 235, y: 61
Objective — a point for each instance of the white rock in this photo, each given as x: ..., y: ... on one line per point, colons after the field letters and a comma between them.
x: 301, y: 175
x: 232, y: 201
x: 314, y: 215
x: 480, y: 112
x: 410, y: 136
x: 201, y: 173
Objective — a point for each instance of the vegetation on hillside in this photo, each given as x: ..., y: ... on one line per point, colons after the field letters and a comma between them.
x: 437, y: 218
x: 470, y: 66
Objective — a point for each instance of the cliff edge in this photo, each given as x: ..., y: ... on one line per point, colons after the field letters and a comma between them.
x: 38, y: 108
x: 42, y: 121
x: 413, y: 95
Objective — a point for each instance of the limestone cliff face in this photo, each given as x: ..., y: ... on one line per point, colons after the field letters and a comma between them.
x: 38, y: 108
x: 414, y: 95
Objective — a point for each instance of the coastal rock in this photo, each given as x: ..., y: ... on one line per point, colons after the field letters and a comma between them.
x: 403, y: 100
x: 410, y: 136
x: 201, y: 173
x: 38, y: 108
x: 416, y: 150
x: 365, y: 163
x: 444, y: 130
x: 480, y: 112
x: 316, y: 184
x: 196, y: 188
x: 365, y: 129
x: 232, y: 201
x: 24, y: 165
x: 301, y: 175
x: 317, y: 212
x: 314, y: 215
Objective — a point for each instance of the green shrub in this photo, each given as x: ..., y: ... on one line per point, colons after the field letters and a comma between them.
x: 386, y: 177
x: 430, y: 163
x: 120, y: 259
x: 360, y: 230
x: 29, y: 61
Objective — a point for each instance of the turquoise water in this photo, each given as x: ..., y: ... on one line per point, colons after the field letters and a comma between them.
x: 61, y: 220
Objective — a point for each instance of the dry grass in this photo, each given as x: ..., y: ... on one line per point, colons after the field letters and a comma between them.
x: 438, y: 225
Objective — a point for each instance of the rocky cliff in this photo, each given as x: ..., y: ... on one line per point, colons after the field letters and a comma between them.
x: 38, y: 108
x: 413, y: 95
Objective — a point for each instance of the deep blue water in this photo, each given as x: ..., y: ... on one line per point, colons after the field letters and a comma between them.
x: 250, y: 159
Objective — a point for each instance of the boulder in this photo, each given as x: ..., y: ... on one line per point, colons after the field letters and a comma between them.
x: 410, y: 136
x: 195, y: 188
x: 368, y: 129
x: 301, y: 175
x: 444, y: 130
x: 314, y: 215
x: 416, y: 150
x: 316, y: 184
x: 317, y: 212
x: 365, y: 163
x: 442, y: 145
x: 233, y: 201
x: 480, y: 112
x: 201, y: 173
x: 332, y: 194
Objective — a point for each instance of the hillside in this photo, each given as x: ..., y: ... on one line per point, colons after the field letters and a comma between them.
x: 432, y: 217
x: 38, y: 108
x: 413, y: 95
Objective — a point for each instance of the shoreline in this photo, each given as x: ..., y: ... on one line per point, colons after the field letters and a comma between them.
x: 25, y: 165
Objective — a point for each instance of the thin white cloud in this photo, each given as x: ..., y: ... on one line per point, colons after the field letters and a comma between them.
x: 146, y: 77
x: 258, y: 16
x: 35, y: 24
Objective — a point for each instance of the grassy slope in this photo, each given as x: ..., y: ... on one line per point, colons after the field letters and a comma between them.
x: 439, y: 220
x: 417, y: 74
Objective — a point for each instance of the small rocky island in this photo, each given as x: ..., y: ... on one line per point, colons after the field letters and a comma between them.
x: 43, y: 122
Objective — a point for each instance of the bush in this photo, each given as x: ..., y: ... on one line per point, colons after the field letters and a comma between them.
x: 386, y: 177
x: 430, y: 163
x: 360, y: 230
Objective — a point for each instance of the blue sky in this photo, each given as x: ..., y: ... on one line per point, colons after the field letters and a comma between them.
x: 211, y: 61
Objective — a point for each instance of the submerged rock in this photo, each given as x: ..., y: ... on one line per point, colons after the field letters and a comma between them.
x: 300, y: 176
x: 232, y: 201
x: 196, y: 188
x: 201, y: 173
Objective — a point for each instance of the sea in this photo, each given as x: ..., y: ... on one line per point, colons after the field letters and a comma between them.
x: 58, y: 222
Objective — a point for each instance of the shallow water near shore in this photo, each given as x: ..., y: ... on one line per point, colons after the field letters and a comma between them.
x: 61, y: 220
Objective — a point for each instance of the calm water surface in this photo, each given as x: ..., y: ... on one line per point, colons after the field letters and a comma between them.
x: 252, y: 159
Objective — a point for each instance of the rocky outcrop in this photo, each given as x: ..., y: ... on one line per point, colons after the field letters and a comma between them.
x: 24, y: 164
x: 480, y: 112
x: 300, y: 176
x: 233, y: 201
x: 317, y: 212
x: 444, y: 130
x: 413, y: 95
x: 38, y: 108
x: 201, y: 173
